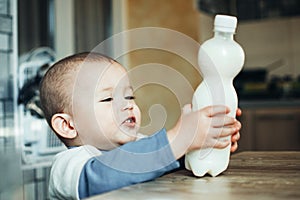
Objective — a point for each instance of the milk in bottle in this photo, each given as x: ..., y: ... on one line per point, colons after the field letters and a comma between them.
x: 220, y: 60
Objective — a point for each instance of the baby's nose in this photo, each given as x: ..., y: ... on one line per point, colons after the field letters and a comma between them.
x: 128, y: 106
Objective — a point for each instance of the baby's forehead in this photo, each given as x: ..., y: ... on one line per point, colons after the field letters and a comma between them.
x: 101, y: 73
x: 92, y: 68
x: 115, y: 76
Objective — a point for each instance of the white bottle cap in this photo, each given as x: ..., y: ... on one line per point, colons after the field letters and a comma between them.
x: 225, y: 23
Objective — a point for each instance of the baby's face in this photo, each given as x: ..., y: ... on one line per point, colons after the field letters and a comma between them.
x: 112, y: 118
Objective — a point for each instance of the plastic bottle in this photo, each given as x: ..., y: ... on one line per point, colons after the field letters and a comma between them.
x: 220, y: 60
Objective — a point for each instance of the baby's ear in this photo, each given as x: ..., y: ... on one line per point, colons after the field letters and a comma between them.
x: 63, y: 125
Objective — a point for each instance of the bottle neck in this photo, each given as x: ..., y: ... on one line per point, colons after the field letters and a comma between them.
x: 224, y: 35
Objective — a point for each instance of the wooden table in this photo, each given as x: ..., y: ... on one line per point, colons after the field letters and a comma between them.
x: 251, y: 175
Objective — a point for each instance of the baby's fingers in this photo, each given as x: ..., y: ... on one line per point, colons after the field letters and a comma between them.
x: 211, y: 111
x: 238, y: 112
x: 224, y: 120
x: 234, y: 146
x: 224, y: 131
x: 221, y: 144
x: 235, y: 137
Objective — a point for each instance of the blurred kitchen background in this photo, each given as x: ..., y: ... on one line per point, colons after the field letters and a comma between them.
x: 35, y: 33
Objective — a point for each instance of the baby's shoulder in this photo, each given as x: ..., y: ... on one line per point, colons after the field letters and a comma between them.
x: 78, y: 154
x: 66, y: 169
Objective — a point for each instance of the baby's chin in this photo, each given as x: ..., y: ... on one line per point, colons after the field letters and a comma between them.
x: 127, y: 136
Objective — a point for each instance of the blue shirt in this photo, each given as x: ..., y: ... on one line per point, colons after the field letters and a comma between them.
x: 134, y: 162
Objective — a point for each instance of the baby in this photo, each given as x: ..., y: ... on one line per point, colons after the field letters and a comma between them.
x: 89, y: 103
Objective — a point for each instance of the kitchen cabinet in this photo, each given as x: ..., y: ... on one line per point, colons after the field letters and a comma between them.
x: 270, y: 128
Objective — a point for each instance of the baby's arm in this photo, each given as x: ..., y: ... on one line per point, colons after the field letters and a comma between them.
x: 134, y: 162
x: 203, y: 129
x: 151, y: 157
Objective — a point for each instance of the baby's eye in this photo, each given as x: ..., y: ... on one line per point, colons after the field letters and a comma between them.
x: 130, y: 97
x: 106, y: 99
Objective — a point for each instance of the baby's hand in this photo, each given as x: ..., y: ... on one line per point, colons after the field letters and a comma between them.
x: 214, y: 128
x: 236, y: 136
x: 202, y: 129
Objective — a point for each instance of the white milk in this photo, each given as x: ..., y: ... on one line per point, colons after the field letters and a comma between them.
x: 220, y: 60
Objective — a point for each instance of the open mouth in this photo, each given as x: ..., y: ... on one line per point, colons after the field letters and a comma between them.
x: 130, y: 121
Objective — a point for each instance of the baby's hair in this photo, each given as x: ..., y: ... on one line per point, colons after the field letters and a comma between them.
x: 57, y: 84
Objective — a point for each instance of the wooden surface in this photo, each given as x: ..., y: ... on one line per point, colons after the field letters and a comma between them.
x: 251, y: 175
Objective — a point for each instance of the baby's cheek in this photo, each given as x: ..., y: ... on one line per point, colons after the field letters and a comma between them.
x: 137, y: 113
